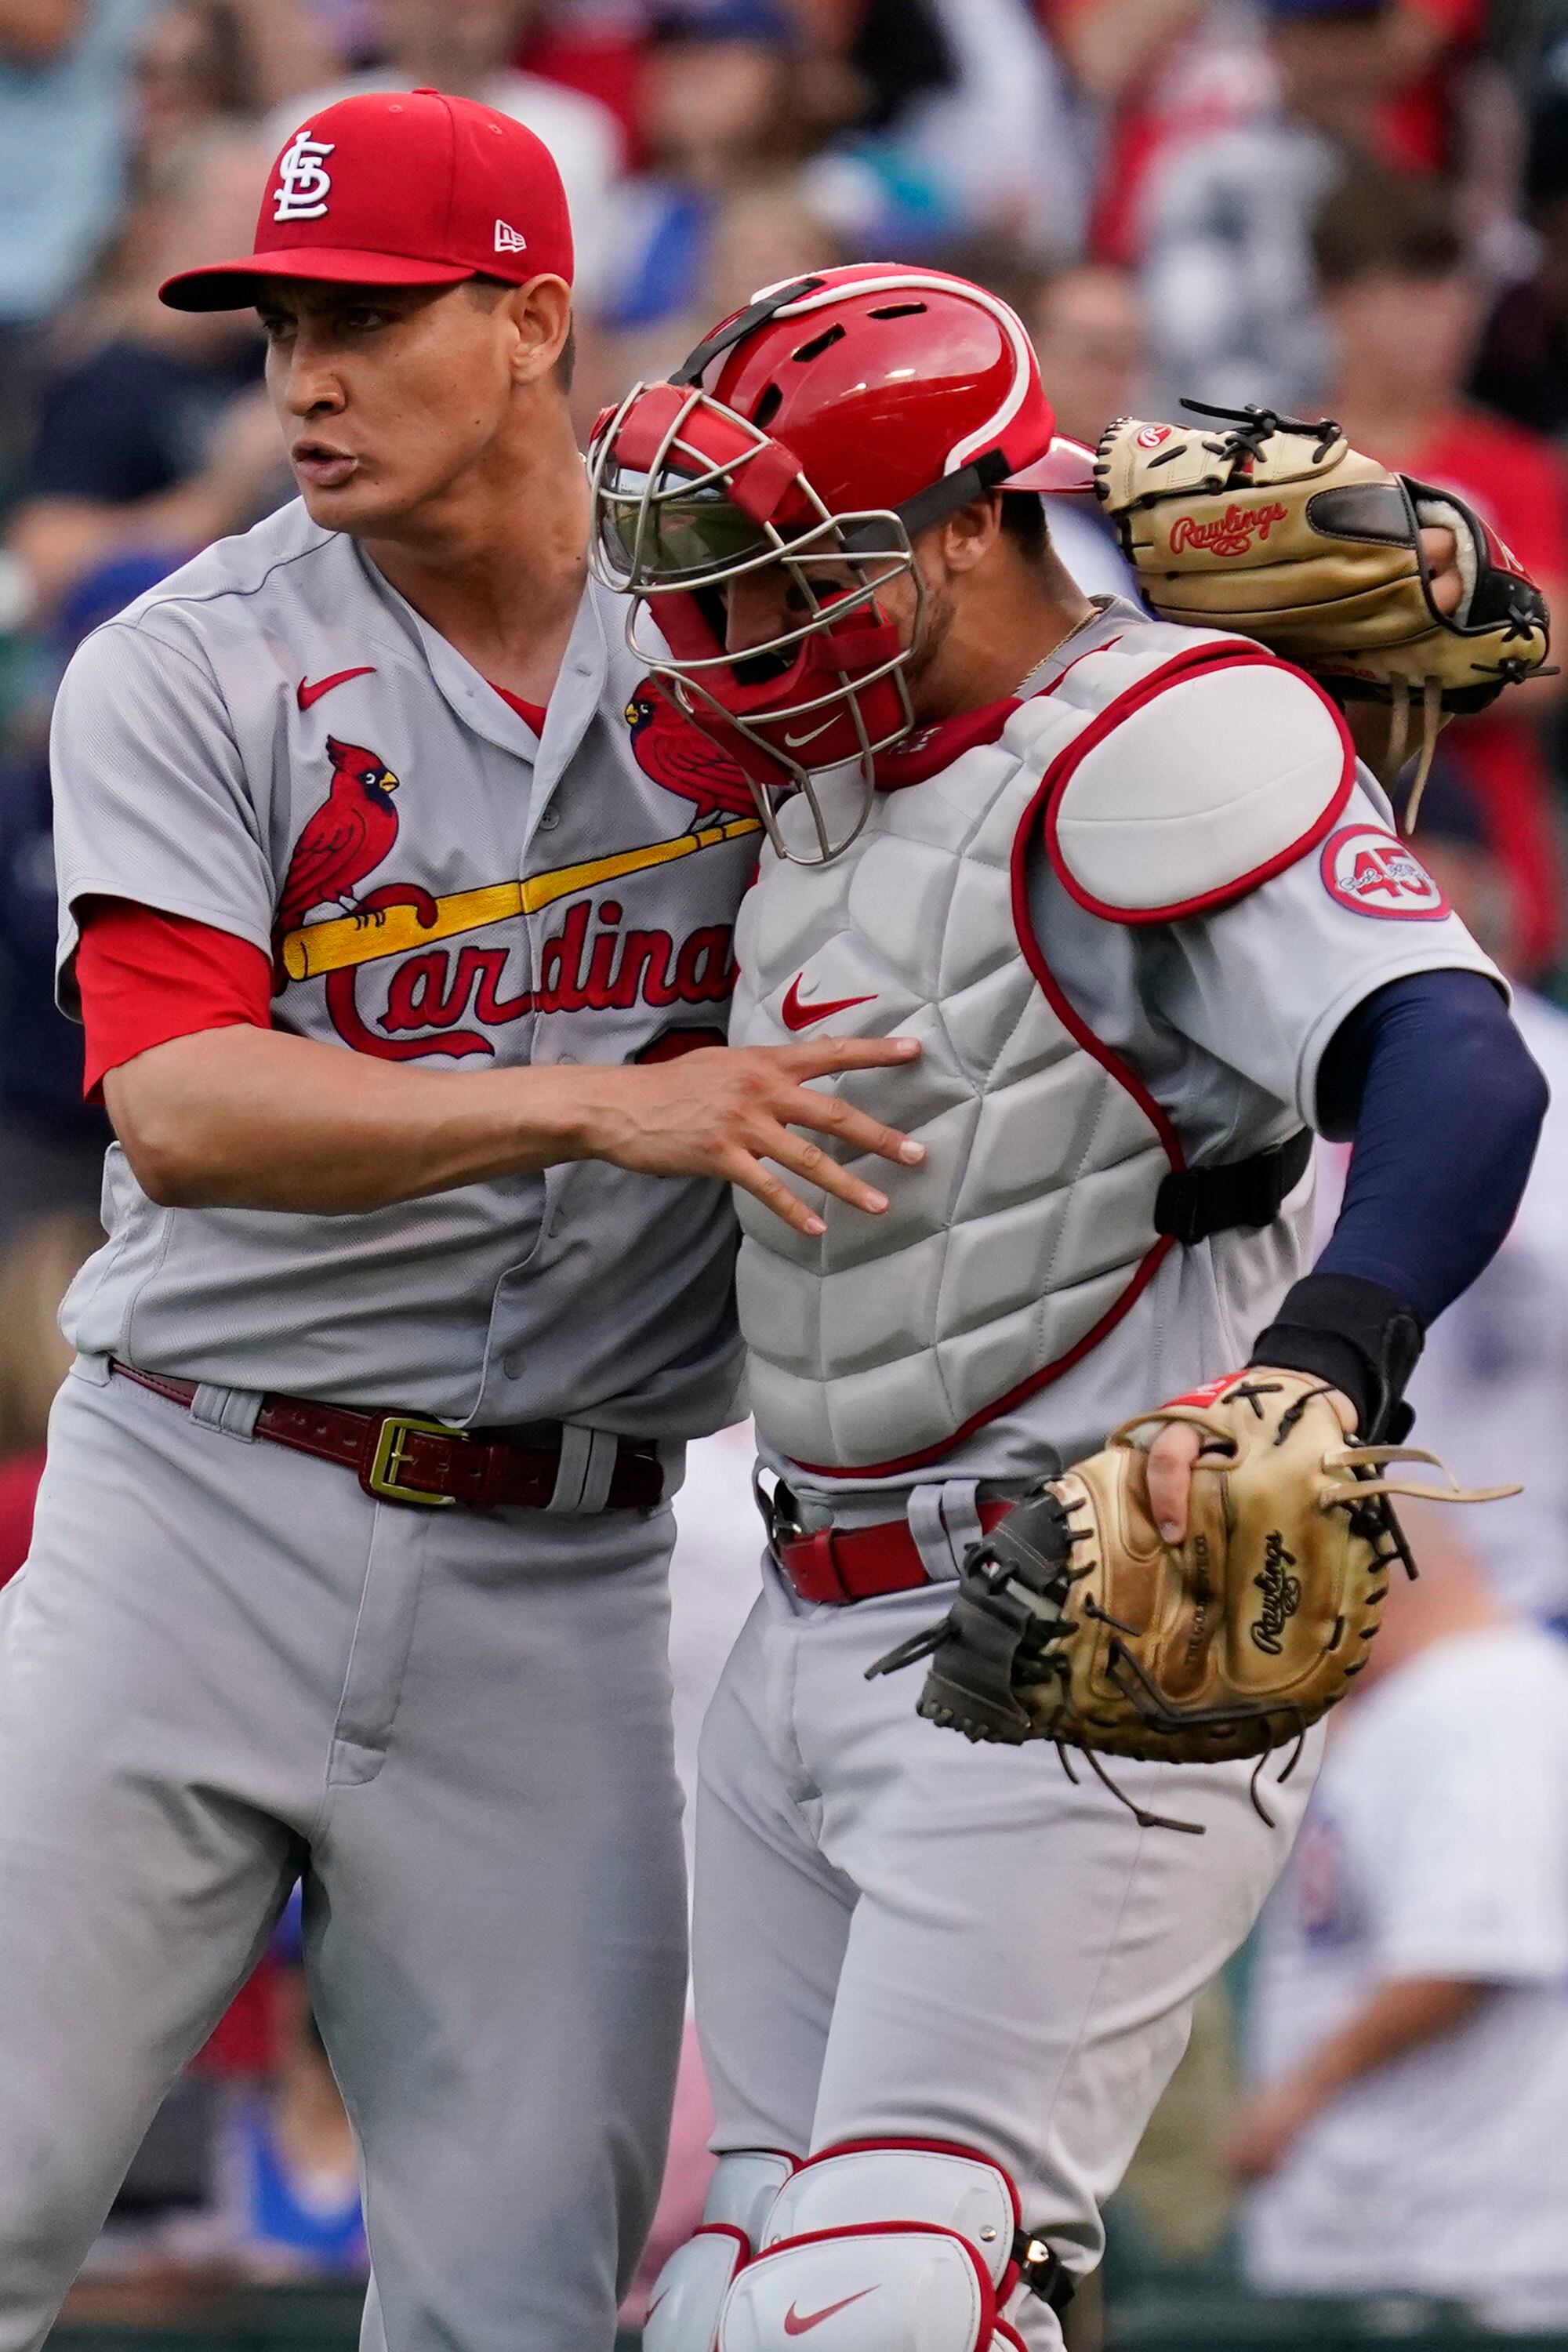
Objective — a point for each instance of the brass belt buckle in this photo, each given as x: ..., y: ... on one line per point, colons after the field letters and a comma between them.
x: 383, y: 1479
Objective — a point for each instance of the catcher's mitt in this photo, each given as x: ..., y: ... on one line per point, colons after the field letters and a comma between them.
x: 1076, y: 1622
x: 1282, y: 532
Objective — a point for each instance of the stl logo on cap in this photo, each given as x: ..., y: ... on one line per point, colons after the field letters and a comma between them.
x: 304, y: 182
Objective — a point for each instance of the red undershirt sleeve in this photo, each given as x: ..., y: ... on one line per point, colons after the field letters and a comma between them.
x: 145, y: 977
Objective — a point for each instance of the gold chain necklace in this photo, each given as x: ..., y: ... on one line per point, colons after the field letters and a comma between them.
x: 1077, y: 628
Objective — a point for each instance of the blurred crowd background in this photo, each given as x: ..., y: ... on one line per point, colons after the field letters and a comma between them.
x: 1326, y: 207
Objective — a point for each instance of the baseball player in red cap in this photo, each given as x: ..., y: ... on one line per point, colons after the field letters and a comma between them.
x: 391, y: 930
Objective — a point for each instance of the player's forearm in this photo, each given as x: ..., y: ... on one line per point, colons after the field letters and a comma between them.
x: 1398, y: 2017
x: 244, y: 1117
x: 1405, y: 2014
x: 253, y: 1119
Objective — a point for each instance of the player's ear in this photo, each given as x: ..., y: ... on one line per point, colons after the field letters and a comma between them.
x: 967, y: 536
x: 541, y: 315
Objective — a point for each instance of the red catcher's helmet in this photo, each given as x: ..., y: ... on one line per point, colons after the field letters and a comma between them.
x: 825, y: 425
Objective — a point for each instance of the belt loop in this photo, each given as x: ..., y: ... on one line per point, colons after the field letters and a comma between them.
x: 234, y: 1412
x: 588, y: 1458
x: 944, y: 1520
x: 576, y: 1454
x: 604, y: 1452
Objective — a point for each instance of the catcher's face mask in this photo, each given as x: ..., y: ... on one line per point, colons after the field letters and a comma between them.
x: 819, y: 431
x: 707, y: 522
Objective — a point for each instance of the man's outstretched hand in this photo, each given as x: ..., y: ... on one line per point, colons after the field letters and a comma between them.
x: 729, y: 1111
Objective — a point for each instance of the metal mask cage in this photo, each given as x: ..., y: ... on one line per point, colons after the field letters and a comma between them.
x: 647, y: 521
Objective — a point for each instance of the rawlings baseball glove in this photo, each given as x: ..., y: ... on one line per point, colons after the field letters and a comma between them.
x: 1282, y: 532
x: 1076, y: 1622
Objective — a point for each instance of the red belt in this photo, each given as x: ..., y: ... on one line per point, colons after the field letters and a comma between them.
x: 402, y: 1458
x: 840, y: 1564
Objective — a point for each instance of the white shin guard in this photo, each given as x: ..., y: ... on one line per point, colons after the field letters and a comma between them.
x: 890, y: 2247
x: 688, y: 2294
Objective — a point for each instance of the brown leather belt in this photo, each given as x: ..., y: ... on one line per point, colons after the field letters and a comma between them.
x: 844, y: 1564
x: 402, y: 1458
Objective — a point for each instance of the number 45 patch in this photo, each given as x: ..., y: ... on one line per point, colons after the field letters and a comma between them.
x: 1372, y: 873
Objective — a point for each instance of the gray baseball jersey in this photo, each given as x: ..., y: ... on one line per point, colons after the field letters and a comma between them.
x: 273, y: 743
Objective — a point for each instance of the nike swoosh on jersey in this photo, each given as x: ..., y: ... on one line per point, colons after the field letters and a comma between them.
x: 800, y: 2323
x: 304, y: 695
x: 797, y: 1016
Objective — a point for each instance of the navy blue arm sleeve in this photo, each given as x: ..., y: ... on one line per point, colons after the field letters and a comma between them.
x: 1443, y: 1104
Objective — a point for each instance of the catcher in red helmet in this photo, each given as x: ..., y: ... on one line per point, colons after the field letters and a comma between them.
x: 904, y: 403
x: 1126, y: 880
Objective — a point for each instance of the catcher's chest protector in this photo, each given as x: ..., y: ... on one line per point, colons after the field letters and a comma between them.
x: 1026, y: 1227
x: 1023, y: 1237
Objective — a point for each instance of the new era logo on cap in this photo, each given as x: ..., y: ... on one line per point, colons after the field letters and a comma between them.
x: 509, y: 239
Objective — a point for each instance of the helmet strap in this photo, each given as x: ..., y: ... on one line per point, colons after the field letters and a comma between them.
x: 944, y: 498
x: 695, y: 365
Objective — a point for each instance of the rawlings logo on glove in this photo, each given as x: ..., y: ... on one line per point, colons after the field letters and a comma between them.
x: 1230, y: 534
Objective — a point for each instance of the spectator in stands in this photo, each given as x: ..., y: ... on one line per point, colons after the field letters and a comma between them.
x: 761, y: 234
x: 726, y: 208
x: 1437, y: 44
x: 1086, y: 324
x: 286, y: 2175
x: 1523, y: 371
x: 1403, y: 309
x: 37, y: 1268
x: 592, y: 45
x: 1409, y: 2031
x: 198, y: 61
x: 464, y: 46
x: 967, y: 128
x: 1172, y: 74
x: 999, y: 145
x: 717, y: 113
x: 63, y: 104
x: 159, y: 437
x: 1163, y: 76
x: 1228, y: 272
x: 51, y: 1142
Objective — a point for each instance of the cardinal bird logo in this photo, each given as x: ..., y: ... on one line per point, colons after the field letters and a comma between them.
x: 346, y: 839
x: 677, y: 755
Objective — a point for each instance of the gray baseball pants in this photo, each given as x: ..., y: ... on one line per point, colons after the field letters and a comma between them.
x: 224, y: 1665
x: 900, y: 1937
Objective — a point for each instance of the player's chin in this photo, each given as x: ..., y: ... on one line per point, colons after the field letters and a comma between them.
x: 359, y: 503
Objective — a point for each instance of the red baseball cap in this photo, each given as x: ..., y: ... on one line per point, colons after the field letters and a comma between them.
x: 402, y: 187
